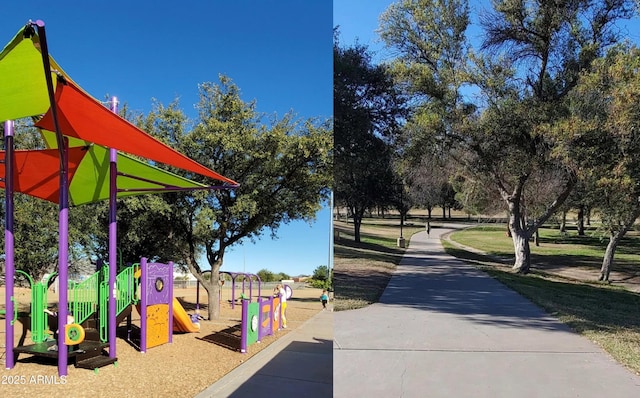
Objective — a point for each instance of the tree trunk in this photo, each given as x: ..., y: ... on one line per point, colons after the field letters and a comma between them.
x: 563, y: 222
x: 213, y: 295
x: 358, y: 214
x: 429, y: 212
x: 444, y: 212
x: 357, y: 221
x: 522, y: 251
x: 211, y: 286
x: 614, y: 238
x: 607, y: 261
x: 581, y: 220
x: 518, y: 228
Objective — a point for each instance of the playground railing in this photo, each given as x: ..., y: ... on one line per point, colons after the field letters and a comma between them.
x: 124, y: 297
x: 104, y: 305
x: 125, y: 289
x: 85, y: 298
x: 39, y: 321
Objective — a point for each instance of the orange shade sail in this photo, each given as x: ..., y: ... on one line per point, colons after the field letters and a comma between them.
x: 37, y: 172
x: 81, y: 116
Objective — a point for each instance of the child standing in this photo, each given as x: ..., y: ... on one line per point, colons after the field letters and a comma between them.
x: 279, y: 291
x: 325, y: 298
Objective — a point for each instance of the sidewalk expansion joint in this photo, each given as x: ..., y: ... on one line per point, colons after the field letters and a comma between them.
x: 464, y: 351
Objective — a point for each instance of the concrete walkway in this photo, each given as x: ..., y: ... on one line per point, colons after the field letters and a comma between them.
x: 444, y: 329
x: 300, y: 364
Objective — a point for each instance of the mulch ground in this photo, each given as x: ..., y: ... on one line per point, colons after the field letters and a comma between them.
x: 181, y: 369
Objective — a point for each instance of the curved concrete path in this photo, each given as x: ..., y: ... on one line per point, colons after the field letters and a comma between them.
x: 445, y: 329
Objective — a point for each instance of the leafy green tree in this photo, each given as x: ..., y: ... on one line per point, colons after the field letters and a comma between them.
x: 604, y: 137
x: 533, y: 55
x: 556, y: 41
x: 321, y: 273
x: 282, y: 164
x: 367, y: 112
x: 429, y: 38
x: 266, y: 275
x: 322, y: 278
x: 282, y: 276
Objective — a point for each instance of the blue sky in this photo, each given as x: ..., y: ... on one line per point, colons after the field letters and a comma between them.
x: 278, y: 52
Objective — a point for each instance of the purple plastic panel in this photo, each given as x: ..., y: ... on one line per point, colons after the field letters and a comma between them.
x: 158, y: 281
x: 244, y: 333
x: 266, y: 320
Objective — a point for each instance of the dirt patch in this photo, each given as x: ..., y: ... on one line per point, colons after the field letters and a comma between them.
x: 359, y: 282
x: 181, y: 369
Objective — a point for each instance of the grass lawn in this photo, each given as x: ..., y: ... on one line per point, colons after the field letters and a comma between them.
x: 607, y: 315
x: 555, y: 248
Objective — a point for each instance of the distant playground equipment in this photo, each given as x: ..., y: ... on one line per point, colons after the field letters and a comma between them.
x: 78, y: 131
x: 244, y: 277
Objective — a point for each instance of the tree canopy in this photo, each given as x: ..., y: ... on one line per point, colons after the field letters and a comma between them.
x: 531, y: 58
x: 368, y: 110
x: 283, y: 166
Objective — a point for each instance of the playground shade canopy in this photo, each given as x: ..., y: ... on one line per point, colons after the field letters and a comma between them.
x: 91, y: 129
x: 37, y: 174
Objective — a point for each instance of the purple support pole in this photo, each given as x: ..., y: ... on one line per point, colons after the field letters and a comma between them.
x: 8, y: 242
x: 63, y: 264
x: 63, y: 218
x: 170, y: 302
x: 244, y: 277
x: 259, y: 287
x: 143, y: 304
x: 244, y: 333
x: 113, y: 255
x: 233, y: 291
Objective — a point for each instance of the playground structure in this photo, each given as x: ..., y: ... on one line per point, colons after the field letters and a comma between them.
x: 146, y: 285
x: 245, y: 276
x: 86, y: 329
x: 161, y: 314
x: 84, y: 139
x: 260, y: 318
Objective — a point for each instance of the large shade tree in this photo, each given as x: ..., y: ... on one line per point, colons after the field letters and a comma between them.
x: 604, y: 134
x: 533, y: 53
x: 367, y: 113
x: 550, y: 43
x: 282, y: 164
